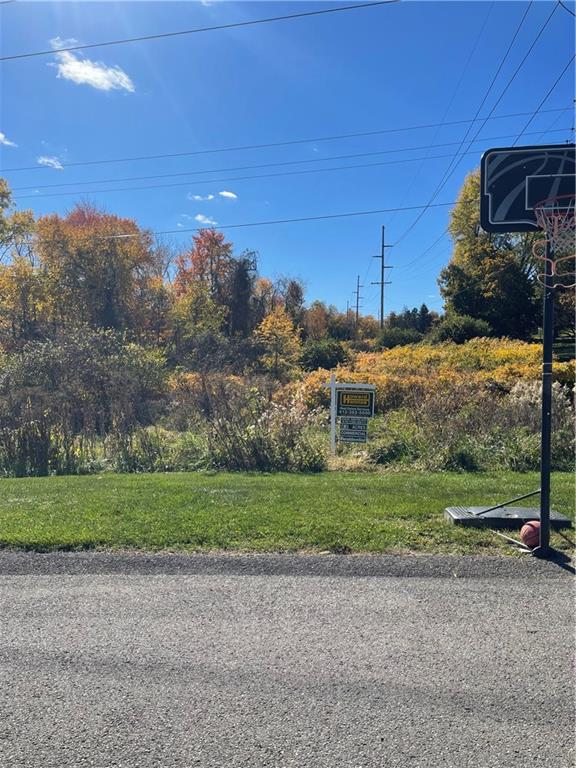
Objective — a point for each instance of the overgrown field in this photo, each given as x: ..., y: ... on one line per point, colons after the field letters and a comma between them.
x: 336, y: 512
x: 93, y: 404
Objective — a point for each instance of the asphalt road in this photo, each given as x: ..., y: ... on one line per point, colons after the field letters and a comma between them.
x: 326, y: 661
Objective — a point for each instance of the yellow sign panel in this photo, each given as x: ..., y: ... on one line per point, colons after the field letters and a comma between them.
x: 355, y: 403
x: 356, y: 399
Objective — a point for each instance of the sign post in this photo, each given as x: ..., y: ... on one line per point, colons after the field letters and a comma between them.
x: 333, y: 414
x: 353, y: 404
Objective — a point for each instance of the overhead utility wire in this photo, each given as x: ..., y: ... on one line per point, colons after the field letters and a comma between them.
x: 270, y: 145
x: 516, y: 71
x: 454, y: 162
x: 324, y: 217
x: 523, y: 132
x: 272, y: 165
x: 566, y: 8
x: 196, y: 30
x: 446, y: 111
x: 560, y: 76
x: 197, y: 182
x: 251, y: 177
x: 463, y: 72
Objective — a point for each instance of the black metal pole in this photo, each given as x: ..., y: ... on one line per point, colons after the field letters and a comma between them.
x: 545, y: 453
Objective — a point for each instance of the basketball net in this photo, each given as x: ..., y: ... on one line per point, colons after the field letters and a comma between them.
x: 555, y: 216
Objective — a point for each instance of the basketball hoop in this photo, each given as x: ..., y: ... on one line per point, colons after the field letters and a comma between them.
x: 555, y: 216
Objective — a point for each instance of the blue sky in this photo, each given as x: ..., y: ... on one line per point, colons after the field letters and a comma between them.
x: 386, y: 67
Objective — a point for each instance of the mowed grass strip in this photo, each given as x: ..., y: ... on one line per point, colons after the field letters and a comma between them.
x: 333, y: 511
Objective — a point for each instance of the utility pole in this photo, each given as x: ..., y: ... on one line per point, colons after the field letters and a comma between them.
x: 357, y: 294
x: 382, y: 282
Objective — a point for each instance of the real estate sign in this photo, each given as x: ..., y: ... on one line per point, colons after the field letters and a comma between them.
x: 352, y: 405
x: 355, y: 402
x: 353, y: 429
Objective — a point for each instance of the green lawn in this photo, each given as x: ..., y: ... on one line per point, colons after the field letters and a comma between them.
x: 335, y: 511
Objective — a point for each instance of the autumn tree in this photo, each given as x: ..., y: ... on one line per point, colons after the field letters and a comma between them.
x: 316, y: 320
x: 490, y: 276
x: 16, y: 227
x: 281, y: 343
x: 22, y: 303
x: 209, y: 261
x: 264, y: 299
x: 197, y: 324
x: 94, y: 266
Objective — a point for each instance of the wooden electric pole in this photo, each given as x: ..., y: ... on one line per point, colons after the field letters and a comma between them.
x: 382, y: 282
x: 357, y: 294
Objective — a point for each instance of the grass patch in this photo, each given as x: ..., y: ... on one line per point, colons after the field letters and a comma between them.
x: 335, y: 511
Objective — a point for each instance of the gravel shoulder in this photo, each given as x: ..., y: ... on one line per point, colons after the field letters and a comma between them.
x: 14, y: 562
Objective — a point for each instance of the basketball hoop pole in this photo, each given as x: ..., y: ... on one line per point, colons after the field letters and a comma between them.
x: 548, y: 339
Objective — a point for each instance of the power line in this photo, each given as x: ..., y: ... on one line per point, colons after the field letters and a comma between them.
x: 225, y: 179
x: 455, y: 160
x: 252, y: 177
x: 324, y: 217
x: 560, y: 3
x: 180, y: 33
x: 276, y: 164
x: 271, y: 145
x: 516, y: 71
x: 427, y: 251
x: 463, y: 71
x: 560, y: 76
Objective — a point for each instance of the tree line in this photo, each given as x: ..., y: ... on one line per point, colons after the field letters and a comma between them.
x: 96, y: 314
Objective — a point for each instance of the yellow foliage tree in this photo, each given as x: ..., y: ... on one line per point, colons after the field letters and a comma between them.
x: 22, y: 302
x: 281, y: 342
x: 95, y: 267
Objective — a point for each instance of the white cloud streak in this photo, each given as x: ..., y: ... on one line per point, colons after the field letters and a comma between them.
x: 228, y: 195
x: 66, y: 42
x: 199, y: 198
x: 50, y: 161
x: 6, y: 141
x: 86, y: 72
x: 201, y: 219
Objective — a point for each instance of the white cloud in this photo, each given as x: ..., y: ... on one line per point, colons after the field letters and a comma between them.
x: 50, y: 161
x: 6, y: 141
x: 59, y: 42
x: 198, y: 198
x: 87, y: 72
x: 201, y: 219
x: 229, y: 195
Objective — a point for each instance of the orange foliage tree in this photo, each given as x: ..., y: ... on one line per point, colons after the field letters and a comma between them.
x: 96, y: 267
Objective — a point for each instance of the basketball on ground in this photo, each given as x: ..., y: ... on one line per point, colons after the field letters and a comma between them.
x: 530, y: 534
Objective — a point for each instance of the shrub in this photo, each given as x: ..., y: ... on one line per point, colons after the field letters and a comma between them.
x: 405, y: 375
x: 156, y: 450
x: 523, y: 405
x: 58, y: 396
x: 396, y: 337
x: 267, y: 437
x: 391, y: 450
x: 323, y: 353
x: 459, y: 328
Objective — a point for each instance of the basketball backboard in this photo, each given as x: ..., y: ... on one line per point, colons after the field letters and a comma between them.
x: 514, y: 179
